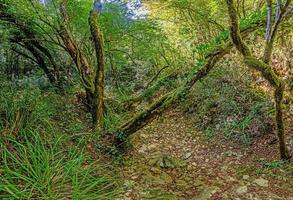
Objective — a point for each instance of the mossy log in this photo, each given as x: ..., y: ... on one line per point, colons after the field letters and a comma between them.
x: 149, y: 91
x: 122, y: 133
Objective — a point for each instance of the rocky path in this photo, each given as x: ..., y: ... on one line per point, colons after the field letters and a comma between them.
x: 170, y: 159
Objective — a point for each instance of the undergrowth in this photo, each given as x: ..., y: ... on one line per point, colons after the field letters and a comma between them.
x: 228, y: 103
x: 37, y: 159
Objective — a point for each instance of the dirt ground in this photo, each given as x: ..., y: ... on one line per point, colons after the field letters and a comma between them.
x: 171, y: 159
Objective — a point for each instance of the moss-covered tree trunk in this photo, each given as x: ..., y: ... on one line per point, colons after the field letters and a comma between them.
x: 99, y: 82
x: 93, y: 78
x: 263, y: 66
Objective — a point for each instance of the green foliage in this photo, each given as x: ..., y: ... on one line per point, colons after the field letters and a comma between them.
x: 273, y: 168
x: 46, y: 142
x: 242, y: 125
x: 229, y: 106
x: 37, y: 168
x: 274, y: 164
x: 253, y: 18
x: 112, y: 119
x: 37, y: 162
x: 36, y: 107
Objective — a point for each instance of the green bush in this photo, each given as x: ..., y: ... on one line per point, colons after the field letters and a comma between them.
x: 227, y: 103
x: 36, y: 161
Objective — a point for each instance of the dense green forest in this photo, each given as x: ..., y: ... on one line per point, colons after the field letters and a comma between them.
x: 146, y: 99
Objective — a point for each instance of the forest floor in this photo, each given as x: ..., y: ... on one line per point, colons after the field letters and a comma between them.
x: 171, y: 159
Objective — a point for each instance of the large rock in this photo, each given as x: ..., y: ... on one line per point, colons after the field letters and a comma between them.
x: 242, y: 190
x: 162, y: 178
x: 166, y: 161
x: 207, y: 193
x: 261, y: 182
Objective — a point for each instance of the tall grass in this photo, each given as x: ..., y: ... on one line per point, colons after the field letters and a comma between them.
x: 37, y: 160
x: 38, y: 169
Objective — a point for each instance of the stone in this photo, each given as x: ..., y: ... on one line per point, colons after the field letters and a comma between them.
x: 182, y: 184
x: 128, y: 184
x: 232, y: 179
x: 170, y: 162
x: 186, y: 156
x: 224, y: 168
x: 232, y: 153
x: 262, y: 182
x: 156, y: 170
x: 152, y: 146
x: 207, y: 193
x: 166, y: 162
x: 157, y: 193
x: 242, y: 190
x: 218, y: 126
x: 161, y: 179
x: 144, y: 135
x: 166, y: 178
x: 197, y: 183
x: 228, y: 153
x: 245, y: 177
x: 143, y: 149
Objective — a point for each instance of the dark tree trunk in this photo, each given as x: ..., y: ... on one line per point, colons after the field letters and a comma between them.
x: 31, y: 42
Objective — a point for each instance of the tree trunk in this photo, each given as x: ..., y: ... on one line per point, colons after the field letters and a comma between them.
x: 284, y: 154
x: 264, y: 68
x: 91, y: 77
x: 31, y: 42
x: 98, y: 101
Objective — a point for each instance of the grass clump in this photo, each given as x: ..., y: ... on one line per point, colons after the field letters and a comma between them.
x: 35, y: 168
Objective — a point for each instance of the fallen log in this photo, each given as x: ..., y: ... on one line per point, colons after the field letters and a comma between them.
x: 122, y: 133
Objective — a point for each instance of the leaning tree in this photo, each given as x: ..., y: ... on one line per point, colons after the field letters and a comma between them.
x: 264, y: 65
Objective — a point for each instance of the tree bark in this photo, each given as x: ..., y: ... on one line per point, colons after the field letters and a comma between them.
x: 84, y: 68
x: 98, y: 103
x: 265, y: 69
x: 39, y: 58
x: 91, y: 77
